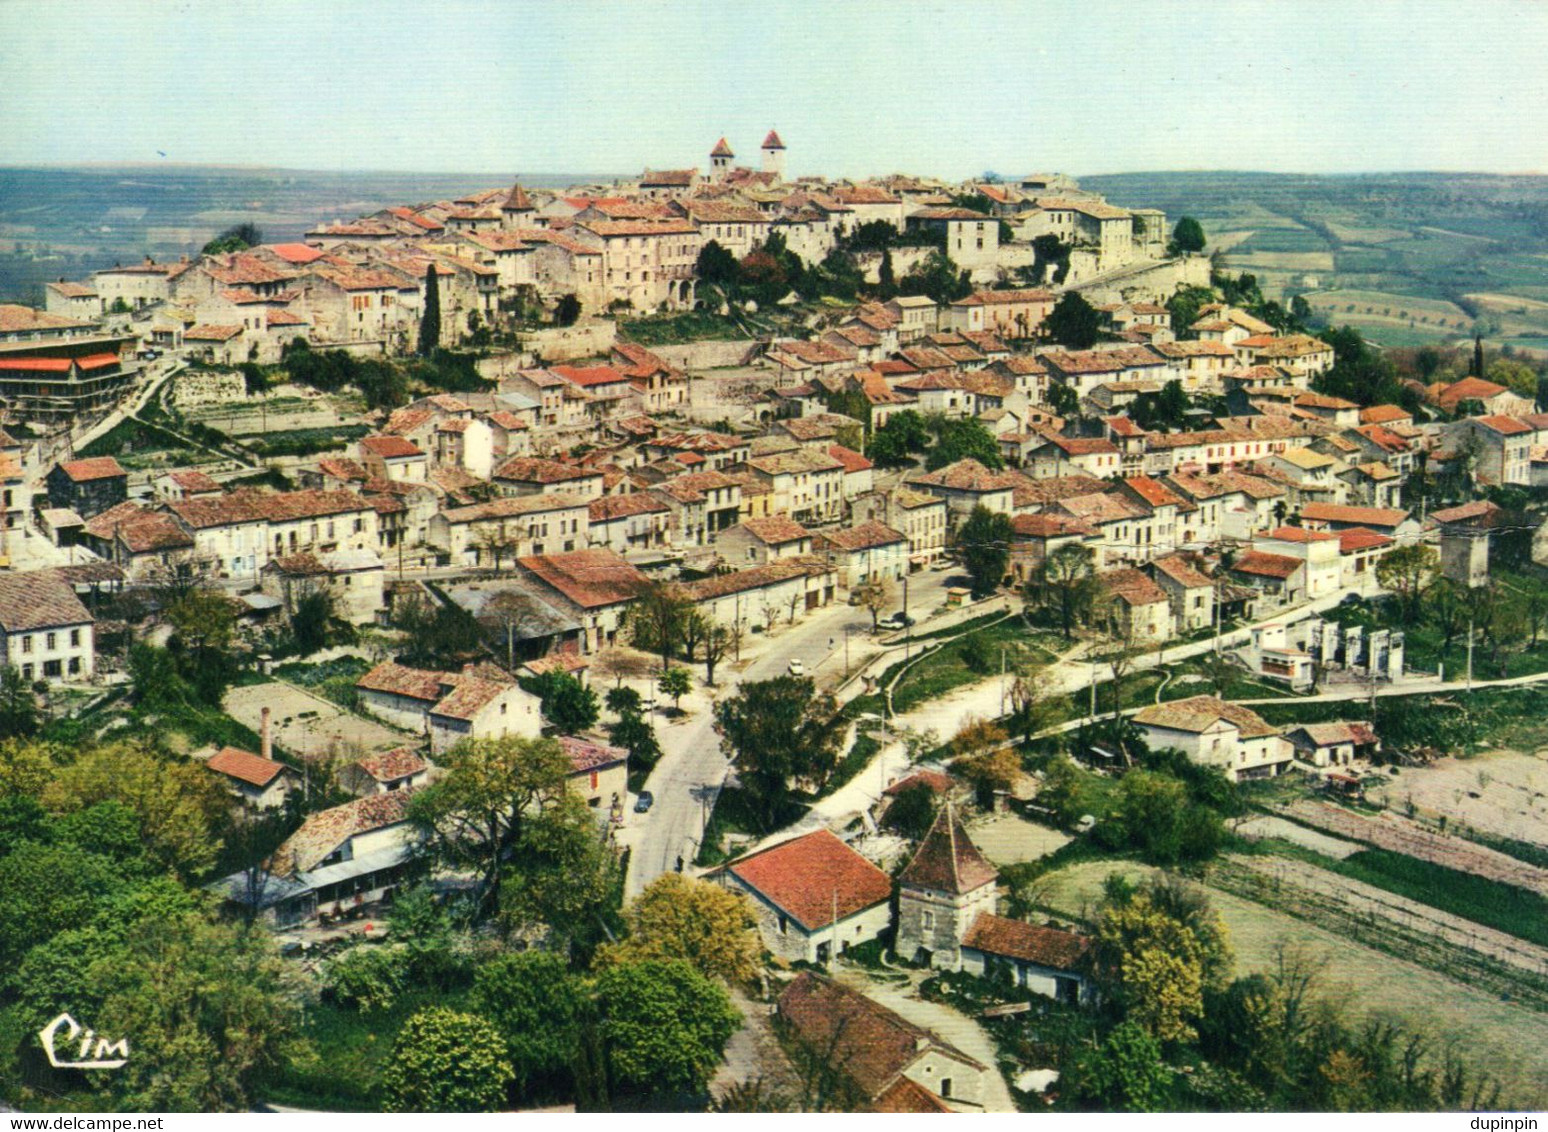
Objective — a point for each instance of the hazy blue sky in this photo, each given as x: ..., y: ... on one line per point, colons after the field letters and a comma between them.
x: 855, y: 87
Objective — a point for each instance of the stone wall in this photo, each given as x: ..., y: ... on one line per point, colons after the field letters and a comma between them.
x: 709, y: 354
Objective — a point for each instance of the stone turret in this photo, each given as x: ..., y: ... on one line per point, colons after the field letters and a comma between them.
x: 941, y: 892
x: 774, y: 155
x: 720, y: 160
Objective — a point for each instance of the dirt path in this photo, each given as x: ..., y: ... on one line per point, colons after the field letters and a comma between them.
x: 1390, y: 831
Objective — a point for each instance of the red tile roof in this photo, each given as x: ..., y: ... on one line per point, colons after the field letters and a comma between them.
x: 1361, y: 538
x: 1047, y: 947
x: 947, y: 860
x: 1364, y: 516
x: 589, y: 578
x: 255, y: 770
x: 1262, y: 564
x: 810, y: 877
x: 390, y: 447
x: 92, y: 468
x: 586, y: 756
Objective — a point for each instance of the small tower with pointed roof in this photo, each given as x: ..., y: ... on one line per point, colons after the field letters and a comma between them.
x: 941, y: 892
x: 517, y: 210
x: 774, y: 155
x: 720, y: 160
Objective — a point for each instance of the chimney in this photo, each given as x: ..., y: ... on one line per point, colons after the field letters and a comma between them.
x: 267, y: 748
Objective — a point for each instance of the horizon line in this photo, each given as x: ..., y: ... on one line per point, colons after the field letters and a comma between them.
x: 238, y: 167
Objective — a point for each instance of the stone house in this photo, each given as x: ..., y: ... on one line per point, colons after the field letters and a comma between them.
x: 88, y: 487
x: 1211, y: 732
x: 945, y: 887
x: 45, y: 631
x: 257, y: 780
x: 813, y: 896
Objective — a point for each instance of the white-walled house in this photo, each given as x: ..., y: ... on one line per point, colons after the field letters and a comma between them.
x: 448, y: 706
x: 45, y: 631
x: 1211, y: 732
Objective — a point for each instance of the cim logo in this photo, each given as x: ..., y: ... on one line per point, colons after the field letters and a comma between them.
x: 62, y: 1032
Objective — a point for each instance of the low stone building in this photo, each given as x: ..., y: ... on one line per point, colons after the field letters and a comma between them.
x: 813, y: 895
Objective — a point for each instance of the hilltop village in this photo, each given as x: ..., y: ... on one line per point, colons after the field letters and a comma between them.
x: 797, y: 643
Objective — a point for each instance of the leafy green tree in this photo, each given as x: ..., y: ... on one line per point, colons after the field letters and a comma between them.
x: 656, y: 619
x: 537, y: 1003
x: 1408, y: 572
x: 1158, y: 950
x: 895, y: 444
x: 477, y: 815
x: 962, y: 438
x: 18, y: 706
x: 179, y: 804
x: 366, y: 976
x: 569, y: 706
x: 624, y: 700
x: 1183, y: 307
x: 1066, y: 582
x: 1051, y: 260
x: 563, y: 879
x: 781, y: 732
x: 1163, y: 411
x: 638, y: 737
x: 912, y: 812
x: 938, y: 277
x: 1125, y: 1073
x: 1063, y: 399
x: 237, y: 238
x: 709, y: 927
x: 677, y: 683
x: 1073, y: 323
x: 718, y: 266
x: 446, y: 1061
x: 430, y: 317
x: 1187, y: 237
x: 983, y: 544
x: 311, y: 619
x: 664, y: 1025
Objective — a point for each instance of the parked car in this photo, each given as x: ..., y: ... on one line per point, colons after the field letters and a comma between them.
x: 895, y: 621
x: 643, y: 803
x: 796, y: 667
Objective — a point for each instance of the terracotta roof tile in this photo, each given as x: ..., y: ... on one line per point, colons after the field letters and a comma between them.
x: 808, y: 877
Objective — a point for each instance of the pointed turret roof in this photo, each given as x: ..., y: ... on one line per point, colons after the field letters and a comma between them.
x: 947, y: 860
x: 772, y: 141
x: 518, y: 201
x: 721, y: 149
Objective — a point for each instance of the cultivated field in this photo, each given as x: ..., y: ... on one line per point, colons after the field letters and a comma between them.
x: 1504, y: 793
x: 1007, y: 839
x: 1389, y: 831
x: 1503, y: 1036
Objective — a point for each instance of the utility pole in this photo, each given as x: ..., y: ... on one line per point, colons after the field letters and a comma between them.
x: 1469, y: 654
x: 834, y: 946
x: 908, y: 629
x: 1002, y: 681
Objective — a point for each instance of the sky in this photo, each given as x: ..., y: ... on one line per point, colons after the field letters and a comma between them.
x: 947, y: 88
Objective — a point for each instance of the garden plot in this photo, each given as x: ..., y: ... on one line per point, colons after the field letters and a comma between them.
x: 308, y: 725
x: 1504, y: 793
x: 1367, y: 900
x: 1008, y: 840
x: 1389, y: 831
x: 1259, y: 828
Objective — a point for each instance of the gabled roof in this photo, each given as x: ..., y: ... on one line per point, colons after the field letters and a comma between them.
x: 400, y: 762
x: 1200, y: 713
x: 947, y: 860
x: 92, y: 468
x: 1363, y: 516
x: 323, y: 832
x: 866, y: 536
x: 1260, y: 563
x: 811, y: 877
x: 1047, y: 947
x: 588, y: 578
x: 38, y: 599
x: 863, y: 1040
x: 244, y: 766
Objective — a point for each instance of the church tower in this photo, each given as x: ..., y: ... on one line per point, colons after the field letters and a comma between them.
x: 517, y: 210
x: 774, y: 156
x: 941, y: 892
x: 720, y: 160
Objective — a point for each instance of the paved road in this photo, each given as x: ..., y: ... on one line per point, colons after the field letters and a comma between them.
x: 693, y: 769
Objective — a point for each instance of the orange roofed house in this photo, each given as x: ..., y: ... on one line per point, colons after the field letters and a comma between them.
x: 881, y: 1061
x: 477, y: 703
x: 811, y: 893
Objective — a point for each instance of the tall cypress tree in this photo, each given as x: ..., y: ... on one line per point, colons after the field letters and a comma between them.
x: 430, y: 321
x: 1477, y: 370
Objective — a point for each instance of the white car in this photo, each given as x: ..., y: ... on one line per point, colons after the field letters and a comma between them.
x: 796, y: 667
